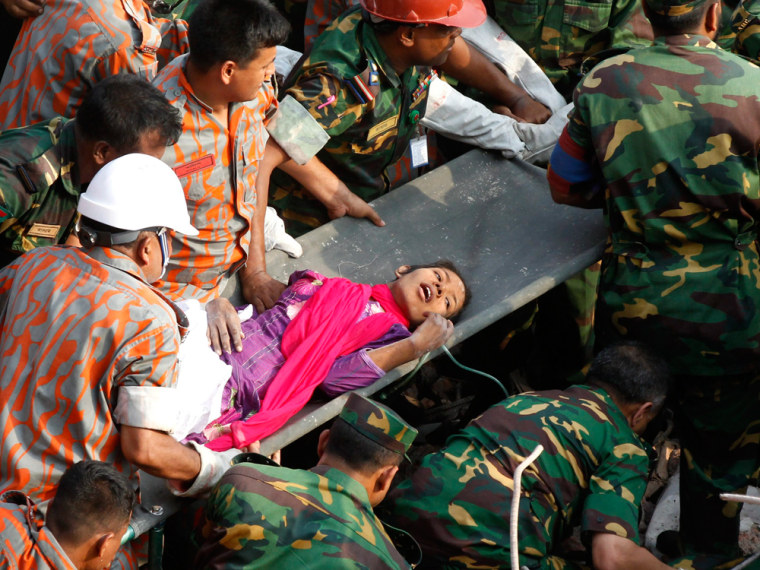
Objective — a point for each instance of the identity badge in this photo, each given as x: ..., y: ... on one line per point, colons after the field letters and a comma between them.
x: 419, y: 149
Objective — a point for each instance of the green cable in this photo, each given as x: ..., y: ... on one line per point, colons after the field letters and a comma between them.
x: 496, y: 380
x: 398, y: 386
x: 404, y: 381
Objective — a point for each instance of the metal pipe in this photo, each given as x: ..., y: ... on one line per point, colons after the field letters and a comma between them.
x: 513, y: 516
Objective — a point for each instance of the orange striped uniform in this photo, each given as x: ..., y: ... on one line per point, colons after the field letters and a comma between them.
x: 77, y: 329
x: 25, y: 542
x: 217, y: 165
x: 62, y: 53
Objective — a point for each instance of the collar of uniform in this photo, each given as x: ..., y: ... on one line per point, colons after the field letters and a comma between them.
x: 613, y: 411
x: 58, y: 162
x: 114, y: 258
x: 687, y: 40
x: 15, y: 498
x: 44, y: 540
x: 373, y: 51
x: 352, y: 486
x: 184, y: 84
x: 33, y: 516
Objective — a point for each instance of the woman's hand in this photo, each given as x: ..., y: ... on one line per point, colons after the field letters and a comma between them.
x: 223, y: 326
x: 434, y: 331
x: 255, y: 447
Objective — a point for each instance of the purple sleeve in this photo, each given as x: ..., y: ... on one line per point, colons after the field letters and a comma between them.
x: 357, y: 370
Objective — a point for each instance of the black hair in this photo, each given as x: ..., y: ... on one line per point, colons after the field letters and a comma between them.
x: 634, y: 373
x: 92, y: 497
x: 357, y: 450
x: 122, y: 108
x: 233, y: 30
x: 681, y: 24
x: 446, y: 264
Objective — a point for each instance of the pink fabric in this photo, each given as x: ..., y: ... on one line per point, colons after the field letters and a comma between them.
x: 324, y: 329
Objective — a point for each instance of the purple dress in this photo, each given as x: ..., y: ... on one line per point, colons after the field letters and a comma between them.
x: 261, y: 357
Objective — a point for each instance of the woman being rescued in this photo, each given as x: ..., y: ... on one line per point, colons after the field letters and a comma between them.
x: 326, y: 332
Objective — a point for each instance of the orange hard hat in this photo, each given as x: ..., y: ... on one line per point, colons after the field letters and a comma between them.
x: 458, y: 13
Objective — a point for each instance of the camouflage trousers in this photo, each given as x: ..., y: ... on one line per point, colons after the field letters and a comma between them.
x: 719, y: 426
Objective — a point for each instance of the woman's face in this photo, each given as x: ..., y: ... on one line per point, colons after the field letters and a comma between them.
x: 428, y: 290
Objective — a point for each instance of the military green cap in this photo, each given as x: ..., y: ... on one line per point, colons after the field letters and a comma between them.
x: 673, y: 7
x: 380, y: 424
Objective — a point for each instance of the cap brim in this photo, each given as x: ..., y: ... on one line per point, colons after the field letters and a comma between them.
x: 472, y: 14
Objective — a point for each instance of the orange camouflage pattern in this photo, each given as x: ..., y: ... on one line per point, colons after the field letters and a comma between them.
x: 24, y: 540
x: 319, y: 15
x: 61, y: 54
x: 75, y: 327
x: 217, y: 165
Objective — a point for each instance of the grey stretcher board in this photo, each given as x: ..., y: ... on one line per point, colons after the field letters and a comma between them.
x: 493, y: 217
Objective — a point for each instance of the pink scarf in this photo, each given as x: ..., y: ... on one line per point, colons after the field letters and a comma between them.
x: 324, y: 329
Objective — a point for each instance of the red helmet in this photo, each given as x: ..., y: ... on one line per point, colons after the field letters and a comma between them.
x: 459, y: 13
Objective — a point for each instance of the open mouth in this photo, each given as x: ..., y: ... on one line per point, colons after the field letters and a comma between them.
x: 427, y: 292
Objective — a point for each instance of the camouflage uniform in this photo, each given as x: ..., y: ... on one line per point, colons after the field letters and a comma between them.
x: 558, y: 36
x: 265, y: 516
x: 370, y: 129
x: 675, y: 130
x: 26, y: 542
x: 38, y: 191
x: 85, y: 346
x: 592, y: 472
x: 60, y: 54
x: 319, y: 15
x: 746, y: 28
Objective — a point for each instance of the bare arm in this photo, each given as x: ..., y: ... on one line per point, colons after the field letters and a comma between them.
x: 258, y: 288
x: 431, y: 334
x: 471, y: 67
x: 159, y: 454
x: 330, y: 190
x: 613, y: 552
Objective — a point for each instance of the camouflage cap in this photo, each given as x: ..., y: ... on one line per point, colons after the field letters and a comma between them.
x: 378, y: 423
x: 673, y: 7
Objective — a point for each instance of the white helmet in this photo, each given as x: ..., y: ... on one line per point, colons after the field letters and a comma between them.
x: 135, y: 192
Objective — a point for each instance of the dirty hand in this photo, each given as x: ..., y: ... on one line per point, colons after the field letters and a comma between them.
x: 23, y: 8
x: 432, y: 333
x: 346, y: 203
x: 223, y: 326
x: 525, y: 110
x: 255, y: 447
x: 261, y: 290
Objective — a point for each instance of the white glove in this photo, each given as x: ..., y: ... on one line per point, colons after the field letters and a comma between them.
x: 275, y: 236
x: 213, y: 465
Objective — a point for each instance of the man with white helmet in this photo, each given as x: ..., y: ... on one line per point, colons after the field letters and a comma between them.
x: 88, y: 349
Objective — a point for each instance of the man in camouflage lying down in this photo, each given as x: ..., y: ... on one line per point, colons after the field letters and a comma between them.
x: 592, y: 473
